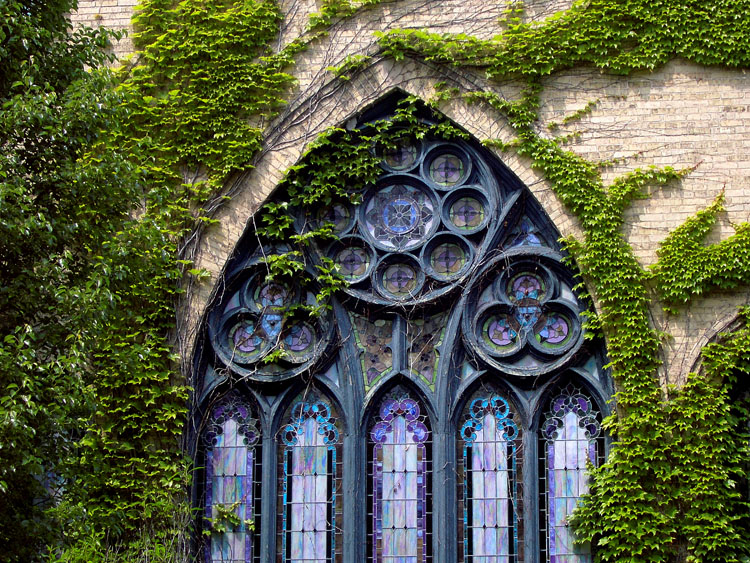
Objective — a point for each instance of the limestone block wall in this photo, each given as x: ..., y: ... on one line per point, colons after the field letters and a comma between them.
x: 682, y: 115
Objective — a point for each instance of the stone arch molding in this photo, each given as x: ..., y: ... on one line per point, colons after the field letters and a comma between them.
x: 455, y: 276
x: 335, y: 104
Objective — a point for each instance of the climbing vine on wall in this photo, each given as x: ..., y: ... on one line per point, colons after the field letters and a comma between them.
x: 196, y: 97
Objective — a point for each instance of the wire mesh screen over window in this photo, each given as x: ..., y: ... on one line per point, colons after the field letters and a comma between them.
x: 459, y: 303
x: 310, y: 474
x: 232, y: 471
x: 400, y: 511
x: 569, y: 441
x: 487, y: 478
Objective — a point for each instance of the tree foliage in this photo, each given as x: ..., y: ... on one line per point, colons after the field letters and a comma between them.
x: 80, y: 268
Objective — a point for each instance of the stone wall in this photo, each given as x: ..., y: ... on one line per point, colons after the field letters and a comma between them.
x: 114, y: 14
x: 682, y: 115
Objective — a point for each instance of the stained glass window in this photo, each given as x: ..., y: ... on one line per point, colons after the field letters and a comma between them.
x: 570, y: 439
x: 399, y: 471
x: 488, y: 484
x: 232, y: 445
x: 310, y: 499
x: 458, y: 298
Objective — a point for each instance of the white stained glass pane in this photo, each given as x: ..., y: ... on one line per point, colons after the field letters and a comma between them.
x: 490, y: 526
x: 567, y: 481
x: 400, y: 486
x: 309, y: 526
x: 228, y: 547
x: 230, y: 475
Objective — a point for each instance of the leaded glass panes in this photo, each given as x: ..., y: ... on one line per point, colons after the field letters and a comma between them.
x: 310, y: 475
x: 399, y: 476
x: 232, y: 447
x: 488, y: 443
x: 569, y: 440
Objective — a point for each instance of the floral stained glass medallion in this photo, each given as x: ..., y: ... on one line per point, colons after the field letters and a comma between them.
x: 400, y: 217
x: 399, y: 471
x: 232, y: 446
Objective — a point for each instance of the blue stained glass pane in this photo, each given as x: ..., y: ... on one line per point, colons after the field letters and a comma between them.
x: 489, y: 457
x: 309, y: 483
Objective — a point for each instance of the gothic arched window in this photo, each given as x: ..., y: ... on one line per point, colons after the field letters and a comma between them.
x: 444, y: 406
x: 487, y: 465
x: 399, y: 470
x: 310, y: 481
x: 232, y: 479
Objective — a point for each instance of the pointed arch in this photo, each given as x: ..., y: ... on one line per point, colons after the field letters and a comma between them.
x: 570, y: 438
x: 399, y: 438
x: 310, y: 471
x: 432, y: 364
x: 489, y: 445
x: 231, y: 480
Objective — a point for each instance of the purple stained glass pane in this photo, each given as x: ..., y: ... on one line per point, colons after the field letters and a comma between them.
x: 399, y: 441
x: 244, y: 341
x: 466, y: 213
x: 499, y: 332
x: 354, y: 263
x: 447, y: 259
x: 231, y: 459
x: 526, y: 286
x: 400, y: 279
x: 569, y: 432
x: 299, y: 339
x: 555, y: 331
x: 310, y: 483
x: 447, y: 169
